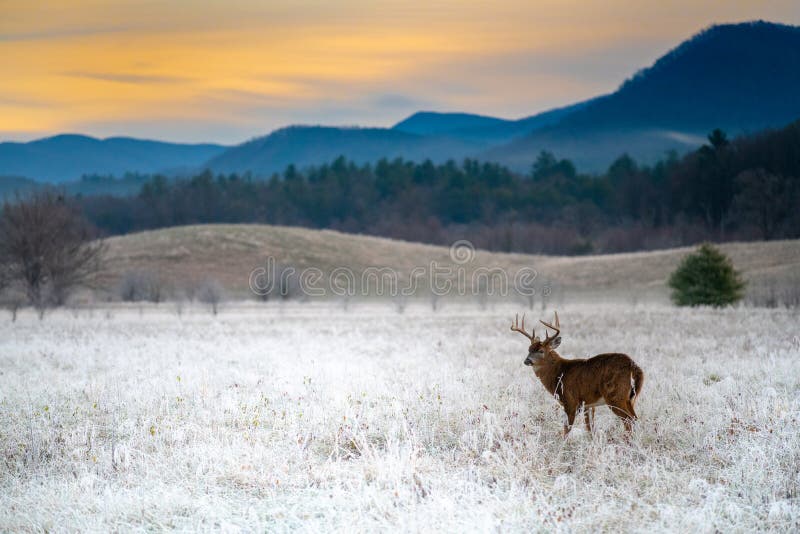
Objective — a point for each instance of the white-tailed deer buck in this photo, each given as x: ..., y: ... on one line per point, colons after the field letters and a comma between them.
x: 611, y: 379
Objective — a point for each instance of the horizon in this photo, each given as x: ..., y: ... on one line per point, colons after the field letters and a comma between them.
x: 200, y: 77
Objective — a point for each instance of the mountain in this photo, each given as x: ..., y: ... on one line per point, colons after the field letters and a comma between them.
x: 313, y: 145
x: 424, y: 135
x: 738, y: 77
x: 479, y: 128
x: 433, y: 123
x: 67, y: 157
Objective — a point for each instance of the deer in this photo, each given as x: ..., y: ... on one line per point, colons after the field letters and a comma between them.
x: 612, y: 379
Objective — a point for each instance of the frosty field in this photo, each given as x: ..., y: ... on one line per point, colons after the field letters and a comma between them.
x: 308, y: 417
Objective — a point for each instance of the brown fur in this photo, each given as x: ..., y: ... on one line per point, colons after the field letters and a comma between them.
x: 582, y: 383
x: 613, y: 378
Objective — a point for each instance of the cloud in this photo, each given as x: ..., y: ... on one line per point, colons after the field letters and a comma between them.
x: 126, y: 77
x: 25, y: 102
x: 397, y: 101
x: 57, y: 34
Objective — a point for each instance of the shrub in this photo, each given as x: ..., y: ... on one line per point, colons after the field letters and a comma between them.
x: 706, y: 277
x: 211, y: 292
x: 136, y: 286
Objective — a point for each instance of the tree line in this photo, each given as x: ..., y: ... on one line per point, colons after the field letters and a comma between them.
x: 745, y: 188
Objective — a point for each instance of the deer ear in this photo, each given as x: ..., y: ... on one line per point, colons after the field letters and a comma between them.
x: 555, y: 343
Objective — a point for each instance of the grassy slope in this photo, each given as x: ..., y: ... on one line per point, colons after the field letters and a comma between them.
x: 229, y: 253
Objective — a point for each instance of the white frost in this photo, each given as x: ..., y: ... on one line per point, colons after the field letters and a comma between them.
x: 305, y: 417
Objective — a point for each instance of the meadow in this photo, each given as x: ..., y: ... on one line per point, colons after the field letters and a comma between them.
x: 271, y: 417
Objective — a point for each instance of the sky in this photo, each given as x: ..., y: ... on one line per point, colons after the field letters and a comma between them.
x: 202, y: 70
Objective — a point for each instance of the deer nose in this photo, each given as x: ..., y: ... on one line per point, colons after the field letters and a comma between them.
x: 528, y: 361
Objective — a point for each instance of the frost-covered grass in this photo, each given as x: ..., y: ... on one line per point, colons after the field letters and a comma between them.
x: 308, y: 417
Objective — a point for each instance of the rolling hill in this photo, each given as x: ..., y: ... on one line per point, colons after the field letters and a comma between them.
x: 228, y: 253
x: 65, y: 158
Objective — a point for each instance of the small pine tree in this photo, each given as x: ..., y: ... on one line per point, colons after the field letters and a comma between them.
x: 706, y: 277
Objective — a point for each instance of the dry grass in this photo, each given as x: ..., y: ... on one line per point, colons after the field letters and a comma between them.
x: 301, y: 417
x: 229, y: 253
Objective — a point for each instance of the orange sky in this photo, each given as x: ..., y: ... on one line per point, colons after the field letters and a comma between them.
x: 197, y: 70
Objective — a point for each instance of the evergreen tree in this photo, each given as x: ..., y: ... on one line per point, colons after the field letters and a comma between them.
x: 706, y: 277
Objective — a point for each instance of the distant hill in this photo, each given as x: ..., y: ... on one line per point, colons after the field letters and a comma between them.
x: 307, y: 145
x: 434, y: 123
x: 229, y: 253
x: 481, y: 129
x: 738, y: 77
x: 67, y: 157
x: 424, y: 135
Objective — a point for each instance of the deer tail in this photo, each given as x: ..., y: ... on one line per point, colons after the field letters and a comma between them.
x: 637, y: 381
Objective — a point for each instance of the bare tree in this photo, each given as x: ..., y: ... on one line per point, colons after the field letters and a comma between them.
x: 136, y: 286
x: 211, y: 292
x: 400, y: 302
x: 528, y: 297
x: 791, y: 295
x: 13, y: 306
x: 278, y: 281
x: 482, y: 295
x: 525, y: 287
x: 774, y: 293
x: 189, y: 289
x: 547, y: 291
x: 9, y: 297
x: 5, y: 278
x: 763, y: 199
x: 435, y: 300
x: 48, y: 248
x: 179, y: 302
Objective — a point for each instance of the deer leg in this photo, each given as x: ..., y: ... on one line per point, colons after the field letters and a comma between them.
x: 624, y: 410
x: 632, y: 417
x: 570, y: 418
x: 588, y: 418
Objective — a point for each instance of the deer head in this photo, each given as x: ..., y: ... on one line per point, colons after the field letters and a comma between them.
x: 539, y: 350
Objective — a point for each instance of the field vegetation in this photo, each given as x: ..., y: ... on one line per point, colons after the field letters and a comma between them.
x: 285, y: 416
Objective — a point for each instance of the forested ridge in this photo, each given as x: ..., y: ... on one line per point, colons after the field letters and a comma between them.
x: 746, y: 188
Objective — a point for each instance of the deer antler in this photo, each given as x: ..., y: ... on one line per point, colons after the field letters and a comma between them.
x: 557, y: 328
x: 521, y: 329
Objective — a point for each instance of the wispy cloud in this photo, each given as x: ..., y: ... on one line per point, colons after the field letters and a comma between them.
x: 127, y: 77
x: 57, y: 34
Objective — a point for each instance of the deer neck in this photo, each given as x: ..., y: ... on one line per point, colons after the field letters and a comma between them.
x: 549, y: 371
